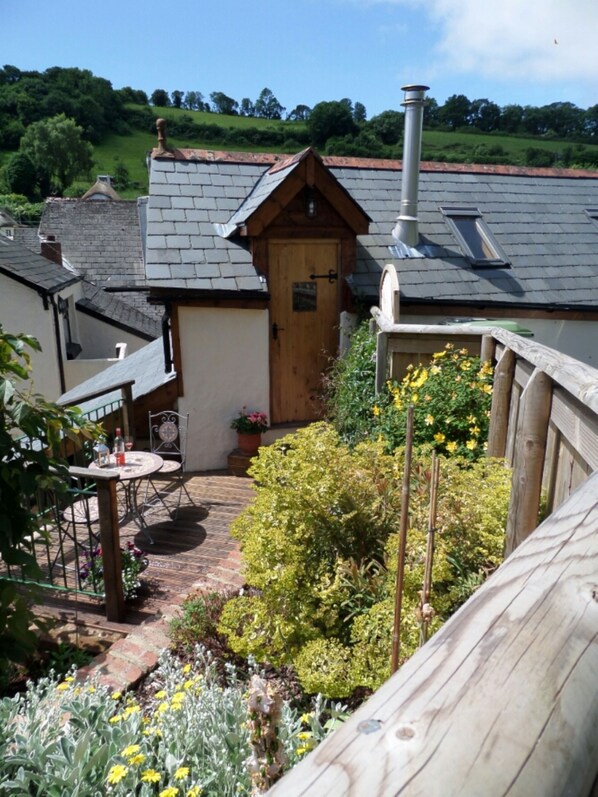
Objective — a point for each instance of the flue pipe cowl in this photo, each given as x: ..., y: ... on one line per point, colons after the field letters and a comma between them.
x: 406, y: 227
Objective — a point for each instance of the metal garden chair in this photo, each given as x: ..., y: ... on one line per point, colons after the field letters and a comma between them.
x: 168, y: 438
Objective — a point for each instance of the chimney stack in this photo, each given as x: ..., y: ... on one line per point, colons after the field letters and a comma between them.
x: 406, y: 227
x: 52, y: 249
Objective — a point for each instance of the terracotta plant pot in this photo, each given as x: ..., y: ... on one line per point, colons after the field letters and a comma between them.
x: 249, y: 443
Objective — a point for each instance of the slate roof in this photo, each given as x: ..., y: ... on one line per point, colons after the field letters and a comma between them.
x: 108, y: 306
x: 102, y: 242
x: 537, y: 216
x: 145, y: 367
x: 33, y: 270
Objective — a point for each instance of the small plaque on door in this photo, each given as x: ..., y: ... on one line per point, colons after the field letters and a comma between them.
x: 305, y: 297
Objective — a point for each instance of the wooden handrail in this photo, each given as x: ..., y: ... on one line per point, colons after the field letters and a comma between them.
x: 501, y: 700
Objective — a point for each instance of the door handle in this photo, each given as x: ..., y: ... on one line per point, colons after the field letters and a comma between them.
x: 331, y: 276
x: 275, y: 330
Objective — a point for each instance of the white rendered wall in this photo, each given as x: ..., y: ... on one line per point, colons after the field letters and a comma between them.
x: 225, y: 367
x: 99, y: 338
x: 22, y: 311
x: 578, y: 339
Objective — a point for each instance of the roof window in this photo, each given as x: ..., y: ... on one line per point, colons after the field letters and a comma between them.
x: 474, y: 237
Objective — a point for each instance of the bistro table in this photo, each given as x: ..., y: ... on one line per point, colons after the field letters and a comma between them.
x: 139, y: 465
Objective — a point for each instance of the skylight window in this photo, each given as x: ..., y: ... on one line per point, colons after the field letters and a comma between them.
x: 474, y: 237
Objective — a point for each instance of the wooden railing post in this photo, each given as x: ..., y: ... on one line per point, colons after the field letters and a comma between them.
x: 488, y: 348
x: 128, y: 419
x: 110, y: 542
x: 504, y: 374
x: 381, y: 359
x: 528, y: 462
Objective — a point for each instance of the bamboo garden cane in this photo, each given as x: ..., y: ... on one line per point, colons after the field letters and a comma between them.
x: 396, y: 642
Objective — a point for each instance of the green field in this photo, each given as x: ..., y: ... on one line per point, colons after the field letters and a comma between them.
x: 464, y: 146
x: 131, y: 150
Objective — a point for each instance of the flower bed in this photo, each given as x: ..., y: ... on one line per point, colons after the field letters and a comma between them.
x: 196, y: 733
x: 134, y: 562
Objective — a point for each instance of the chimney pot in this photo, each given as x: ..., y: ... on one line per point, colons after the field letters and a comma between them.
x: 406, y: 228
x: 51, y: 249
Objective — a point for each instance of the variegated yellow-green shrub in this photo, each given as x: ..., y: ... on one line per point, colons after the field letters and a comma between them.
x: 319, y: 544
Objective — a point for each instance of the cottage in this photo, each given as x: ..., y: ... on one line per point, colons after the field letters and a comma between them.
x: 81, y: 328
x: 260, y: 260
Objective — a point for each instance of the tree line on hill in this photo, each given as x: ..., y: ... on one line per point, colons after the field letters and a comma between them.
x: 50, y: 119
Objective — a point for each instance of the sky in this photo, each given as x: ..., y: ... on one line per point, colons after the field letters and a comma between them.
x: 530, y: 52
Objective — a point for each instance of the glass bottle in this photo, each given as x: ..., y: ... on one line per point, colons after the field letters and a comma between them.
x: 119, y: 448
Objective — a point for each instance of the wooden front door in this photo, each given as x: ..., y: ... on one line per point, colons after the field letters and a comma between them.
x: 304, y: 289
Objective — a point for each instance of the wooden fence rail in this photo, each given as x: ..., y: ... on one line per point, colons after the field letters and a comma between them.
x: 544, y: 409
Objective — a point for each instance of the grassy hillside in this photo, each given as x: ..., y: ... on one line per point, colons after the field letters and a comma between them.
x: 131, y: 150
x: 464, y: 146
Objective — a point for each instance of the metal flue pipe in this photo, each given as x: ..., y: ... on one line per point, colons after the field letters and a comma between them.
x: 406, y: 227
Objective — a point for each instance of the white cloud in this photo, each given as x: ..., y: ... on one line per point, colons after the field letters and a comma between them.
x: 516, y: 38
x: 506, y: 39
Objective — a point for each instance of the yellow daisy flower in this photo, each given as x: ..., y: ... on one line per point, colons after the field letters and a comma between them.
x: 131, y: 750
x: 451, y: 447
x: 150, y: 776
x: 169, y: 791
x: 131, y: 710
x: 181, y: 773
x: 471, y: 444
x: 439, y: 437
x: 117, y: 773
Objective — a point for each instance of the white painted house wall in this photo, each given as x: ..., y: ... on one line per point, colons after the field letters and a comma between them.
x: 22, y: 312
x: 225, y: 367
x: 99, y: 338
x: 578, y: 339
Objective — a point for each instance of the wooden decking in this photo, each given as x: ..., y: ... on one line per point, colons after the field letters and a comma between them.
x: 192, y: 550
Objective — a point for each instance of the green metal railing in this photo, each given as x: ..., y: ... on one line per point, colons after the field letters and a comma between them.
x: 72, y: 527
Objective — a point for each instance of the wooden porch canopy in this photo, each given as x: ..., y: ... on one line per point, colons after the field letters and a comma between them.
x: 280, y: 185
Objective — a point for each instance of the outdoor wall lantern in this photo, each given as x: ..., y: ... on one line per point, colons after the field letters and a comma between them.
x: 311, y: 205
x: 101, y: 454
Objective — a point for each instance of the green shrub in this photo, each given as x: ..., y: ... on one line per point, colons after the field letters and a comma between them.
x: 317, y: 503
x: 320, y: 543
x: 324, y: 665
x: 451, y: 398
x: 198, y: 620
x: 350, y: 388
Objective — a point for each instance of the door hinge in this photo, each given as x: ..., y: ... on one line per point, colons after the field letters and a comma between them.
x: 275, y: 330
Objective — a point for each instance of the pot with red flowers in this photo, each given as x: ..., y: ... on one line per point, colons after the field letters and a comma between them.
x: 249, y: 426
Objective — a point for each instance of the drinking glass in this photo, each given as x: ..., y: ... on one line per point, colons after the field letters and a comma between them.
x: 128, y: 443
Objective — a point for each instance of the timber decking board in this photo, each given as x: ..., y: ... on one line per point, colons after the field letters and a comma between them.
x: 186, y: 550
